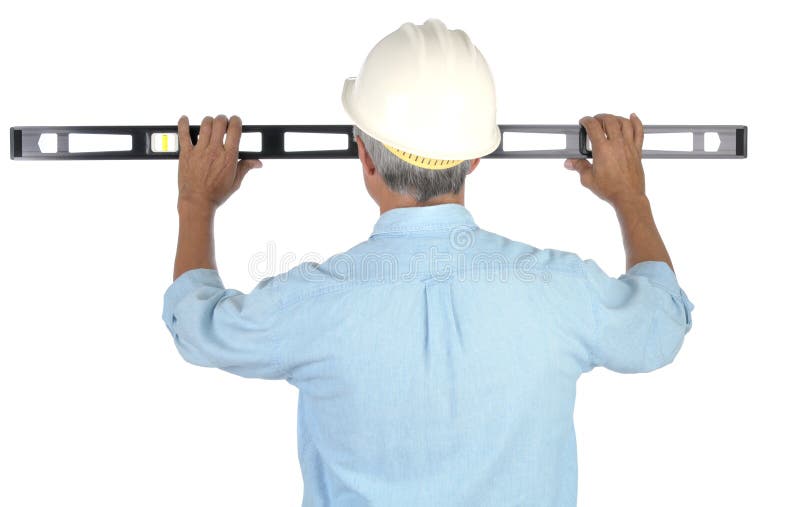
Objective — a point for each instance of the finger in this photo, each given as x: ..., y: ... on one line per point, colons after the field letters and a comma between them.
x: 234, y: 134
x: 218, y: 129
x: 205, y: 132
x: 184, y: 141
x: 627, y: 130
x: 638, y: 130
x: 593, y: 129
x: 610, y: 125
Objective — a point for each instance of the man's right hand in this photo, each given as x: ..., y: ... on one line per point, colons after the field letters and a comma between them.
x: 616, y: 176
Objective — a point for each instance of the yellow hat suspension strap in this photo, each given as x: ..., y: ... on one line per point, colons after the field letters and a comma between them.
x: 423, y: 162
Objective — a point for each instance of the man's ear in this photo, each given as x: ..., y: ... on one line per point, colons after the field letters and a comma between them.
x: 366, y: 161
x: 474, y: 165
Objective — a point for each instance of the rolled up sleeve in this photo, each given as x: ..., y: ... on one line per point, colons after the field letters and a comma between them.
x: 640, y: 318
x: 223, y: 328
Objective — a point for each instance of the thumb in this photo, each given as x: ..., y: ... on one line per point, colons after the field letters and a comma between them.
x: 577, y: 164
x: 582, y: 166
x: 243, y: 166
x: 247, y: 164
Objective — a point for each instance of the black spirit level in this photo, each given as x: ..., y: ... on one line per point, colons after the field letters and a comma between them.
x: 161, y: 142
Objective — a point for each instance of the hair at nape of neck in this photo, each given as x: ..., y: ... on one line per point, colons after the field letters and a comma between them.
x: 405, y: 178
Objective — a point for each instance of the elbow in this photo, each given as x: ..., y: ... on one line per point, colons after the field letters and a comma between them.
x: 669, y: 330
x: 670, y: 346
x: 660, y: 352
x: 191, y: 354
x: 188, y: 348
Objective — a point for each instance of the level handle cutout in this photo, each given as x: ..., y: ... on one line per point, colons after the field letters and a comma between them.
x: 313, y: 141
x: 519, y: 141
x: 86, y: 143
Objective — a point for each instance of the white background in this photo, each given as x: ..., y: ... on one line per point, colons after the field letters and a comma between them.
x: 97, y: 406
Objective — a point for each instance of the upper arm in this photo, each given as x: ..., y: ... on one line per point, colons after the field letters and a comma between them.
x: 640, y: 318
x: 223, y: 328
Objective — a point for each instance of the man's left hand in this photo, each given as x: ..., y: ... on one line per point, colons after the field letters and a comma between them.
x: 208, y: 172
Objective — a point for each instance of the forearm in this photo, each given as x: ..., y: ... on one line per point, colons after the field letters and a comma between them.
x: 639, y: 233
x: 195, y: 238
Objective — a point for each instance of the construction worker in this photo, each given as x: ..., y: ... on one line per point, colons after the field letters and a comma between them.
x: 436, y: 361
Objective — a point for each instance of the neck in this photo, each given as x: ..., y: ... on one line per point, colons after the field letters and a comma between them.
x: 404, y: 201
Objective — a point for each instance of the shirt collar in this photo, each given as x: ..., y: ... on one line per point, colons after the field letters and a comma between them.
x: 423, y: 218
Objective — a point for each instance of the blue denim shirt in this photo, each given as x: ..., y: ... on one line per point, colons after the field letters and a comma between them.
x: 436, y: 362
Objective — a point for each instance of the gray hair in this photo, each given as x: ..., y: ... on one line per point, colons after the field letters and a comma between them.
x: 402, y: 177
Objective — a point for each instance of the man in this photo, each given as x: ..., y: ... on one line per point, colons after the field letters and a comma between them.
x: 436, y: 361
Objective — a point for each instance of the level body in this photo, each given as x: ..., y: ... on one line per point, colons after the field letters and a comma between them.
x: 160, y: 142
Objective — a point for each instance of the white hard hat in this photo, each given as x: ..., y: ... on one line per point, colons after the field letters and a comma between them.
x: 427, y: 93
